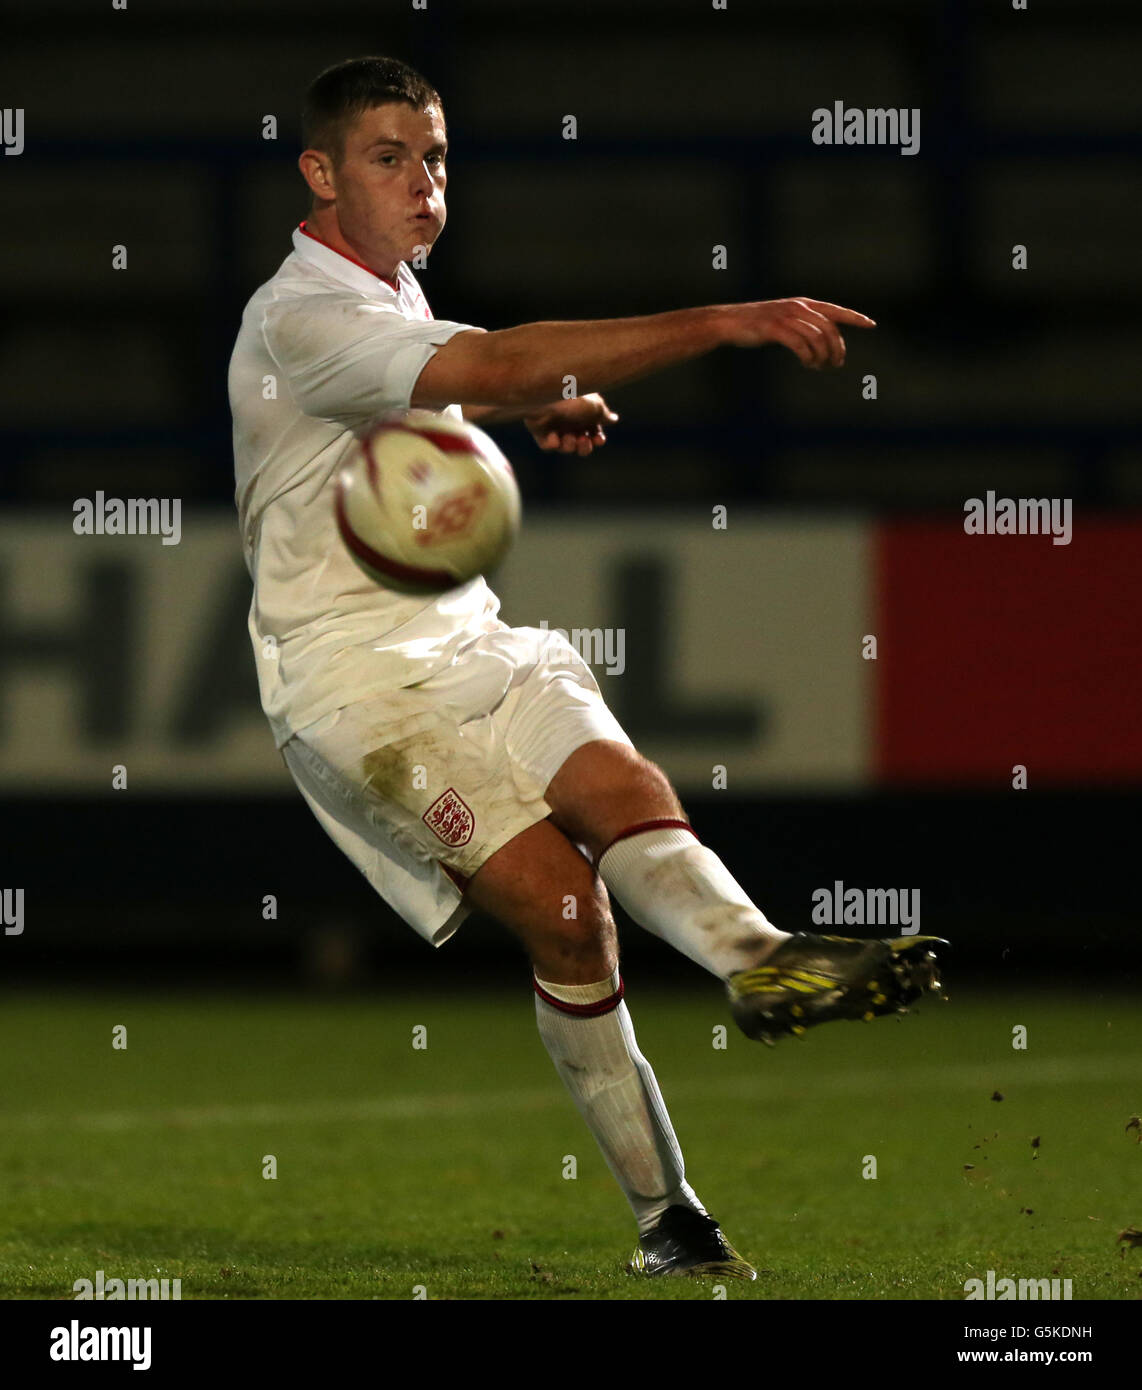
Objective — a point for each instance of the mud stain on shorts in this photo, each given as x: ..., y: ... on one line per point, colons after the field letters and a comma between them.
x: 412, y: 770
x: 388, y: 772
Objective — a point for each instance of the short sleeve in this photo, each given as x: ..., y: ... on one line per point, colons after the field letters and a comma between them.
x: 347, y: 360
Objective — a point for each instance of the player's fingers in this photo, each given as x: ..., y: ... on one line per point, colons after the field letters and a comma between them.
x: 550, y: 441
x: 815, y: 337
x: 570, y: 444
x: 839, y: 314
x: 586, y: 444
x: 798, y: 339
x: 787, y: 336
x: 835, y: 343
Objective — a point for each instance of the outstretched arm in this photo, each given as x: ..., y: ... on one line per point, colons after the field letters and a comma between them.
x: 524, y: 369
x: 521, y: 373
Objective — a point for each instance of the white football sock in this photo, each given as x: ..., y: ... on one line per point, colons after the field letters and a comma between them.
x: 588, y: 1034
x: 681, y: 891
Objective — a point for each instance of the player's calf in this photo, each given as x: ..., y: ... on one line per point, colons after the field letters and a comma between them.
x: 679, y: 889
x: 622, y: 808
x: 541, y: 888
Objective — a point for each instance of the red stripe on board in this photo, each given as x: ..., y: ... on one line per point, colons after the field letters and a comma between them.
x: 994, y: 651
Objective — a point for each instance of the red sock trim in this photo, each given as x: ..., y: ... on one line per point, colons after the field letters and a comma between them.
x: 642, y: 825
x: 604, y: 1006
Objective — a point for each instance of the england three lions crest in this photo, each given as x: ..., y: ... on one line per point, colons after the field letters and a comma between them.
x: 449, y: 819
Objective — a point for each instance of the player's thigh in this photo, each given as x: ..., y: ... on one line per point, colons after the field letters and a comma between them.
x: 605, y: 787
x: 541, y: 888
x: 567, y: 746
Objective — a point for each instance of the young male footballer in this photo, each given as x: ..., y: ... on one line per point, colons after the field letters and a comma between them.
x: 460, y: 763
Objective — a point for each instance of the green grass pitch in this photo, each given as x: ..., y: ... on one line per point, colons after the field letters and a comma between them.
x: 442, y: 1168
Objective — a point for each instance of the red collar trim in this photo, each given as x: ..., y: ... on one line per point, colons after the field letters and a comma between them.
x: 314, y: 237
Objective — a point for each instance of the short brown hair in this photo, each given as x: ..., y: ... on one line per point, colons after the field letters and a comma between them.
x: 341, y: 94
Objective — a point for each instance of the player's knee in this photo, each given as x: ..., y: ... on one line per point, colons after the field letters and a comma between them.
x: 656, y: 781
x: 605, y: 782
x: 577, y: 960
x: 582, y: 941
x: 642, y: 784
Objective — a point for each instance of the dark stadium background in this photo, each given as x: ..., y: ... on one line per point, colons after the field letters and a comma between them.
x: 144, y: 126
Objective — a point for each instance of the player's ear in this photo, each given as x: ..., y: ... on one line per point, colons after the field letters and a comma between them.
x: 317, y: 170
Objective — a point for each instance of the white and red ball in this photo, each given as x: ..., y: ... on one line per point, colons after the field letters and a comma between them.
x: 426, y: 502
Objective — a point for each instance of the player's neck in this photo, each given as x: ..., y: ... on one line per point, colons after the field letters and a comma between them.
x: 323, y: 224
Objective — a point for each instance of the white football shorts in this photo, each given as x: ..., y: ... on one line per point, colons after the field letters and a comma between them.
x: 419, y: 786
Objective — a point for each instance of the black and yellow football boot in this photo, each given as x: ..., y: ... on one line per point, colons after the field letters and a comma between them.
x: 686, y: 1242
x: 813, y: 979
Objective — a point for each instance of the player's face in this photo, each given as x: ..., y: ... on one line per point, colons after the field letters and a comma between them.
x: 390, y: 181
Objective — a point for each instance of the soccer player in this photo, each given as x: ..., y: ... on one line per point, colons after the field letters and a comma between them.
x: 459, y: 763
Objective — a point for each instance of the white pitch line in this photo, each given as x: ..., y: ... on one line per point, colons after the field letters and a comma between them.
x: 764, y: 1088
x: 316, y: 1112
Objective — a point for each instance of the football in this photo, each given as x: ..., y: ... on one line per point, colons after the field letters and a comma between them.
x: 426, y: 502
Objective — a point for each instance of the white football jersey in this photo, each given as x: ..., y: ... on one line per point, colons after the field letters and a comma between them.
x: 324, y: 347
